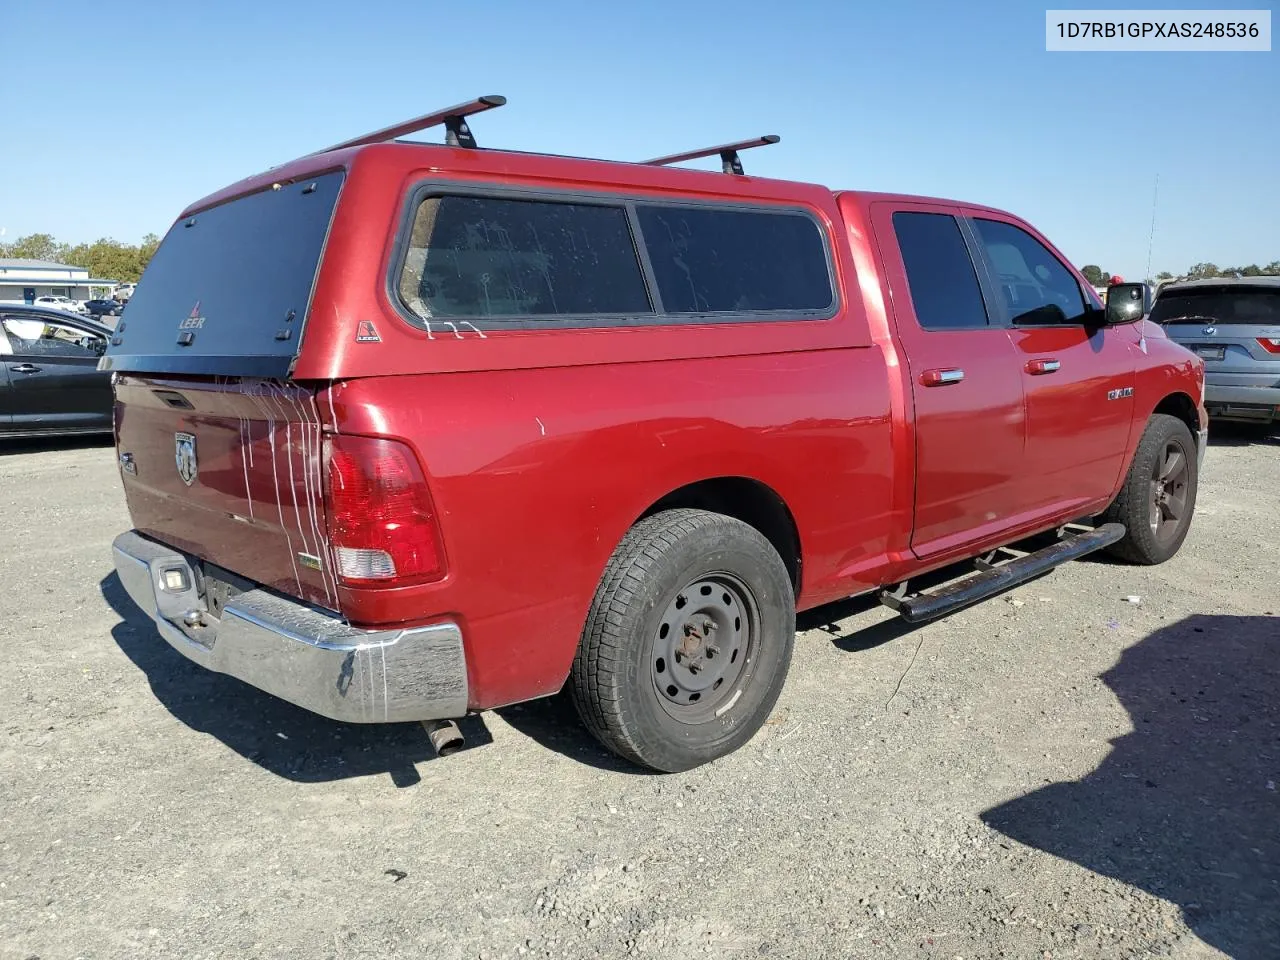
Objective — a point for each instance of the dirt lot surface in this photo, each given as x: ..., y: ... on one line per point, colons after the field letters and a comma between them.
x: 1055, y: 773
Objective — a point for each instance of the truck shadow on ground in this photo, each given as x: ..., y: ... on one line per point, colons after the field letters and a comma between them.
x: 1186, y: 806
x: 288, y: 741
x: 553, y: 722
x: 832, y: 619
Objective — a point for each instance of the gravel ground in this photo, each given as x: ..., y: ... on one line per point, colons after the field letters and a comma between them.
x: 1055, y: 773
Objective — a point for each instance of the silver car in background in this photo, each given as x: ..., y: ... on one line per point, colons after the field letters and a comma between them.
x: 1234, y: 325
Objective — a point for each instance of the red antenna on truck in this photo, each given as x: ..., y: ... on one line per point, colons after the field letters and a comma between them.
x: 457, y: 133
x: 729, y: 160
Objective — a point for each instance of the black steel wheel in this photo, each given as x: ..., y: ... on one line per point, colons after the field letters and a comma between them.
x: 706, y: 637
x: 1158, y: 498
x: 688, y: 640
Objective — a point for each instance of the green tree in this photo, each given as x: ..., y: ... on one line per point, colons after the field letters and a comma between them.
x: 105, y: 259
x: 112, y: 260
x: 1203, y: 271
x: 35, y: 246
x: 1093, y: 273
x: 1164, y: 275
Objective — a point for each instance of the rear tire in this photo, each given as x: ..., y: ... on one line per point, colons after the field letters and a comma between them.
x: 687, y: 643
x: 1158, y: 498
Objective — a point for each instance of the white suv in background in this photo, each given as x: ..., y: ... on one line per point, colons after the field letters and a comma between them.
x: 61, y: 303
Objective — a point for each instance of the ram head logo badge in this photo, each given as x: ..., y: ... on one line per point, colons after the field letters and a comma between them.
x: 185, y: 457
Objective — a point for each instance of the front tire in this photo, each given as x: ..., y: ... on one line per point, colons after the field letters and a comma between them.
x: 687, y: 643
x: 1158, y: 498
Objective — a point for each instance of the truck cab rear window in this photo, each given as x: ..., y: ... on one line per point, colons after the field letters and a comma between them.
x: 503, y: 259
x: 474, y: 257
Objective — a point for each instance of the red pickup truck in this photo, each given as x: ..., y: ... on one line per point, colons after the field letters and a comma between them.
x: 409, y: 431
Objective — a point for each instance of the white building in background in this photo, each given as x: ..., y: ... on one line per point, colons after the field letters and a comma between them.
x: 22, y: 281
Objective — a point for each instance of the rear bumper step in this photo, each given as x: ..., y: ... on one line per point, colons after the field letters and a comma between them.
x: 961, y: 593
x: 295, y: 652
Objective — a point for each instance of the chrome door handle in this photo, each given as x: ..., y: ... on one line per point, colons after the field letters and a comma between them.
x: 1038, y: 367
x: 941, y: 378
x: 25, y: 368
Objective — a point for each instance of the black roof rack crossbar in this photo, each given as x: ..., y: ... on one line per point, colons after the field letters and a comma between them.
x: 729, y: 160
x: 457, y: 133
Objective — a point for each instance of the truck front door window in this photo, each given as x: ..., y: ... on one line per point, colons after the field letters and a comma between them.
x: 1035, y: 285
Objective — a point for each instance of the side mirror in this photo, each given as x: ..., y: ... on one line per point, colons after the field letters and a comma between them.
x: 1127, y: 303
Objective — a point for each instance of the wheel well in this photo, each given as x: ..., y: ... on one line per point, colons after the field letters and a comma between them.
x: 747, y: 500
x: 1184, y: 408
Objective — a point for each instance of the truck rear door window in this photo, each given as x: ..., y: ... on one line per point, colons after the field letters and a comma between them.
x: 708, y: 260
x: 944, y: 286
x: 489, y: 257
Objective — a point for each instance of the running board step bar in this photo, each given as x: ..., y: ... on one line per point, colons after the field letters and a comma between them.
x: 920, y: 607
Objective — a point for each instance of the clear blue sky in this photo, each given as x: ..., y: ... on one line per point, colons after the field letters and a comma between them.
x: 171, y: 101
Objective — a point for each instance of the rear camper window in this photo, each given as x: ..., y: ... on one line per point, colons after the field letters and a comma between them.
x: 528, y: 262
x: 228, y: 290
x: 485, y: 257
x: 736, y: 261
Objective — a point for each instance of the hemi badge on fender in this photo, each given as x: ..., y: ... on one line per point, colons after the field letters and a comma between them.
x: 1120, y: 394
x: 309, y: 560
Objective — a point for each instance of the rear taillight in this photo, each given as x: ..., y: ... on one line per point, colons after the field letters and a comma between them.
x: 382, y: 524
x: 1270, y: 344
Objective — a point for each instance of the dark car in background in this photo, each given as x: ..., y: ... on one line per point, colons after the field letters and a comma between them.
x: 103, y: 308
x: 49, y: 378
x: 1233, y: 324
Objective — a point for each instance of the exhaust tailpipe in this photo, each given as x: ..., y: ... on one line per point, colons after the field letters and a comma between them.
x: 444, y: 735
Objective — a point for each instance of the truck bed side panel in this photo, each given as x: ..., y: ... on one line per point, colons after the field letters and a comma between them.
x: 537, y: 474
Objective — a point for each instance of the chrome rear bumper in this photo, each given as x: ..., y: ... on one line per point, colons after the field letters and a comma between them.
x: 297, y: 653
